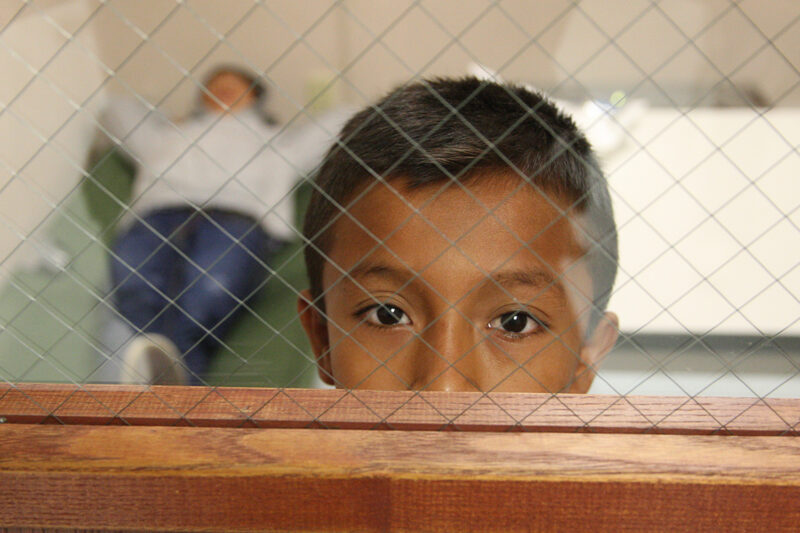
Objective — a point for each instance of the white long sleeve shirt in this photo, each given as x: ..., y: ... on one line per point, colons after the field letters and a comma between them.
x: 235, y: 162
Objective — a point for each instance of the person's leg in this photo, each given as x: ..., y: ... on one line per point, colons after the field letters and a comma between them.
x: 147, y: 271
x: 144, y: 266
x: 229, y: 251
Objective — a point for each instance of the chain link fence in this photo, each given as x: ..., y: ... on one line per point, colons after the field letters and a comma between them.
x: 692, y: 108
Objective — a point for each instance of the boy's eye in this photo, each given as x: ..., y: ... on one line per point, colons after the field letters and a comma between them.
x: 387, y: 315
x: 516, y: 322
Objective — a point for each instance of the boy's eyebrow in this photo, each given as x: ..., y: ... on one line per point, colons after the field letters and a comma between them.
x: 366, y: 270
x: 536, y: 278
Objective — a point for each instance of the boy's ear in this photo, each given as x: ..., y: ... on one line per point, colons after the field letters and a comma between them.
x: 317, y: 333
x: 603, y: 338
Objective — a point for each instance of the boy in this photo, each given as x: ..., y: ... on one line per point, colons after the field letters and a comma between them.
x: 460, y: 237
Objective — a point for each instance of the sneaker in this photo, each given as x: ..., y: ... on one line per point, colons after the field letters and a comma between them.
x: 153, y: 359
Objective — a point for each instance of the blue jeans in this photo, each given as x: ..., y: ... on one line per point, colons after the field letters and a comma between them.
x: 186, y: 276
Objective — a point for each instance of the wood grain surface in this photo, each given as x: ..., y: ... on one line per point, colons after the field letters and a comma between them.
x: 225, y: 479
x: 135, y: 458
x: 405, y: 410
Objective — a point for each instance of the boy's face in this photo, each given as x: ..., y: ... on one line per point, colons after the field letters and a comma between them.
x: 480, y: 287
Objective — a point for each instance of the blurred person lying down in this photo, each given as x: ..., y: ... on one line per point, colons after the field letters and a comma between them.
x: 212, y: 203
x: 460, y: 238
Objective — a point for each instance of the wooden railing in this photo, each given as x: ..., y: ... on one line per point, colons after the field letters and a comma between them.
x: 243, y: 459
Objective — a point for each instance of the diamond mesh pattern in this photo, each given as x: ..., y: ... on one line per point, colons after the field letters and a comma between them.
x: 692, y: 109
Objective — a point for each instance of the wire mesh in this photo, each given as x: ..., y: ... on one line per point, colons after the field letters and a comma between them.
x: 113, y: 133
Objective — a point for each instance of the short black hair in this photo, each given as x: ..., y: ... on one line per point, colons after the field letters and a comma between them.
x: 444, y: 129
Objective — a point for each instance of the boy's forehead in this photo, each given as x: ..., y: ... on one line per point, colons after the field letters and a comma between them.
x: 488, y: 221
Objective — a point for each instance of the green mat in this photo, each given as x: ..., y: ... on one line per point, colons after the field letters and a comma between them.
x: 53, y: 318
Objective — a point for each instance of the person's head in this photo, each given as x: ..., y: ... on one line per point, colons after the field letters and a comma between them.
x: 231, y: 89
x: 460, y: 237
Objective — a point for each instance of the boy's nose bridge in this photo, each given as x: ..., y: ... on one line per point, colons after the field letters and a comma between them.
x: 446, y: 355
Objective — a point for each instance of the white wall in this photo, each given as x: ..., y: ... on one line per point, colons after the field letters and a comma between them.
x: 708, y: 206
x: 48, y: 97
x: 161, y: 50
x: 685, y: 45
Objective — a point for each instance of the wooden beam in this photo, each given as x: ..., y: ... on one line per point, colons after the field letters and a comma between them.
x: 148, y: 478
x: 406, y: 410
x: 231, y: 476
x: 221, y: 479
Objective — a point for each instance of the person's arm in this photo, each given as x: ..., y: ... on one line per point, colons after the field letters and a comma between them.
x: 133, y: 125
x: 304, y: 147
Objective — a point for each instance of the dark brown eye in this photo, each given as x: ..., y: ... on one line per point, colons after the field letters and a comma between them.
x: 387, y: 315
x: 515, y: 323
